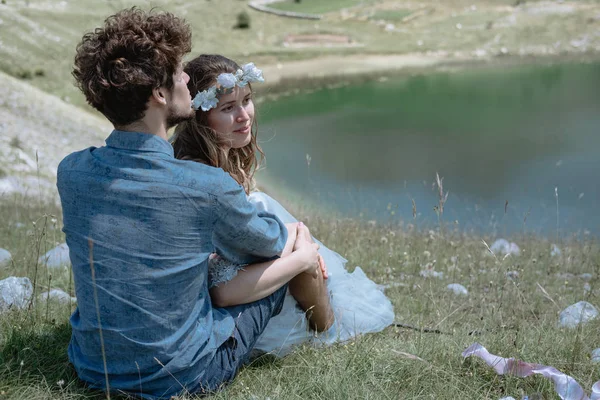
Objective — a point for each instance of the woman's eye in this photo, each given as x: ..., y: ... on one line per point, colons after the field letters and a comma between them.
x: 228, y: 108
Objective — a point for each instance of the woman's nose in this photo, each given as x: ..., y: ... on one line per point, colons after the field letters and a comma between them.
x: 243, y: 115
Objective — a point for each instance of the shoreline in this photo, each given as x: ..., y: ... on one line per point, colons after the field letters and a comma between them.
x: 366, y: 66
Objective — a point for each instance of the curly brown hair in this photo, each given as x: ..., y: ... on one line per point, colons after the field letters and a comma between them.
x: 118, y: 65
x: 195, y: 140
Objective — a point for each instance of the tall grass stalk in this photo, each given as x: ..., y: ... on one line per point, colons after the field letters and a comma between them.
x: 91, y: 251
x: 557, y: 215
x: 442, y: 198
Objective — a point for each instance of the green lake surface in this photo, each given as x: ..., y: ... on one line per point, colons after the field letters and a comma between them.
x: 527, y: 135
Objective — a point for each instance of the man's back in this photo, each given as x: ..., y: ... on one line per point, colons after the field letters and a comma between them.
x: 149, y: 223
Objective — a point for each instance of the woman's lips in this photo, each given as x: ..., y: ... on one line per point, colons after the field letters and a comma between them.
x: 243, y: 130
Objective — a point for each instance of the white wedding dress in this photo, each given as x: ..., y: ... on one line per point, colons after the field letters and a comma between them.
x: 358, y: 304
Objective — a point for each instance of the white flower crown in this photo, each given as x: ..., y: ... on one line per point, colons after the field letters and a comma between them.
x: 207, y: 99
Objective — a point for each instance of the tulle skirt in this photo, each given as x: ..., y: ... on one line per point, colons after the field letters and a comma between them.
x: 359, y: 305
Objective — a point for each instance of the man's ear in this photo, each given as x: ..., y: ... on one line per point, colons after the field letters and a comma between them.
x: 158, y: 95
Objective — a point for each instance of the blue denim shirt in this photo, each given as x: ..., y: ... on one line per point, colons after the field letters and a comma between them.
x: 152, y: 222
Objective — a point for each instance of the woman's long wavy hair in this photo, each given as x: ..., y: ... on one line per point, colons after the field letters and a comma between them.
x: 196, y: 140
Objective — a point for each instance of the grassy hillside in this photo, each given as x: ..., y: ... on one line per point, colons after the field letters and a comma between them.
x: 38, y: 37
x: 36, y: 131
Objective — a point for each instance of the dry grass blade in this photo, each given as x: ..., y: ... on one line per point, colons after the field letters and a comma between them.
x: 443, y: 197
x: 102, y: 348
x: 409, y: 356
x: 490, y: 250
x: 172, y: 376
x: 546, y: 295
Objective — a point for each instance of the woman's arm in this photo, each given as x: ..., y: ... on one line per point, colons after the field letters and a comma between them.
x: 259, y: 280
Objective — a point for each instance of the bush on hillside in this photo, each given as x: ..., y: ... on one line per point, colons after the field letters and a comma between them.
x: 24, y: 74
x: 243, y: 20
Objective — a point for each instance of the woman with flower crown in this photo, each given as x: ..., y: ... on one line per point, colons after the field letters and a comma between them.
x: 223, y: 135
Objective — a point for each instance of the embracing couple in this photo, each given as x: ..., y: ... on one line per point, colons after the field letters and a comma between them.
x: 181, y: 268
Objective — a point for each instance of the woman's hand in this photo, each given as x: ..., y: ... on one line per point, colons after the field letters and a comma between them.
x: 292, y: 229
x: 308, y: 251
x: 305, y: 233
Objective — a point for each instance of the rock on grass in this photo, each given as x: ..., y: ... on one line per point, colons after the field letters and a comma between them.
x: 5, y: 258
x: 576, y: 314
x: 15, y: 293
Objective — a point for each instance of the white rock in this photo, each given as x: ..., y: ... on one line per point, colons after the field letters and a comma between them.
x: 458, y: 289
x: 586, y: 276
x: 504, y: 247
x: 15, y: 293
x: 578, y: 313
x: 430, y: 273
x: 5, y: 258
x: 57, y: 257
x: 57, y: 295
x: 392, y: 285
x: 565, y: 275
x: 555, y: 251
x: 508, y: 398
x: 500, y: 245
x: 596, y: 355
x: 580, y: 42
x: 512, y: 274
x: 6, y: 186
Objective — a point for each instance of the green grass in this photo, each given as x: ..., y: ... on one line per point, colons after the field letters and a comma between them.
x: 512, y: 318
x: 316, y: 6
x: 391, y: 15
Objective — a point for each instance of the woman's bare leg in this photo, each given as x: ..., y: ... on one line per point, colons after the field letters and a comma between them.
x: 312, y: 295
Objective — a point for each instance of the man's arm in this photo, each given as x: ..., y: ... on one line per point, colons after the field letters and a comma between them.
x: 242, y: 235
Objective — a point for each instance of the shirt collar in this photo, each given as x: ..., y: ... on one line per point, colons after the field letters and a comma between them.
x: 138, y: 141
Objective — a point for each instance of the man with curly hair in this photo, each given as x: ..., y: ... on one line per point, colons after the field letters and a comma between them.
x: 141, y: 225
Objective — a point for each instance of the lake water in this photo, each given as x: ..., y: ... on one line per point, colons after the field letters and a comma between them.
x: 528, y: 135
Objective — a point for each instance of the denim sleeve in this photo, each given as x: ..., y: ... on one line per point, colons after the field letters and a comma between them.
x: 242, y: 235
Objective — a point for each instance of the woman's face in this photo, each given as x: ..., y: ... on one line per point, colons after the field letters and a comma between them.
x: 232, y: 118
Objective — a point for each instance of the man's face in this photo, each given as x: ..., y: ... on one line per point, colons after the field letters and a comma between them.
x: 180, y: 102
